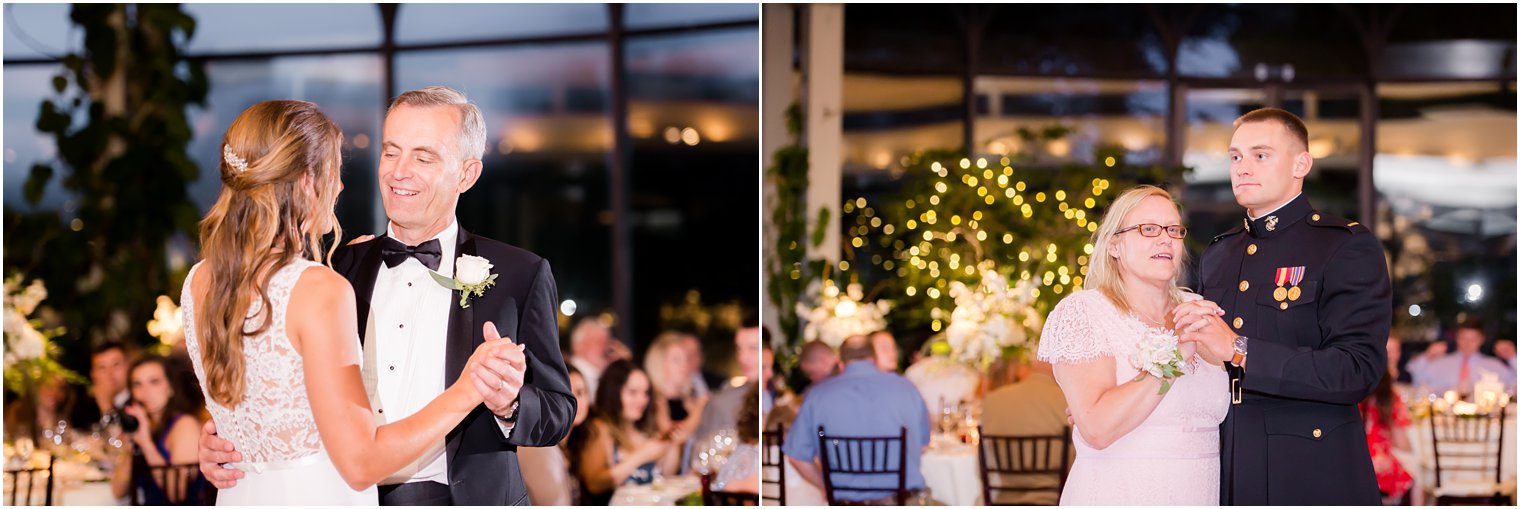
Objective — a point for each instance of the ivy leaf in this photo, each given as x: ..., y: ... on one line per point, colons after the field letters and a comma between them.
x: 36, y: 182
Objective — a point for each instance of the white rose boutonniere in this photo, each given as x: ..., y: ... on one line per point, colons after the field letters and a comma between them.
x: 472, y: 276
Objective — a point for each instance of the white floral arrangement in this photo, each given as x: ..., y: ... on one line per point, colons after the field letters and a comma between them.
x: 839, y: 315
x: 1157, y: 355
x: 28, y: 349
x: 990, y: 318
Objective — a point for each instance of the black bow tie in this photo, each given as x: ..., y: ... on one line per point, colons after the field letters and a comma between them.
x: 394, y: 253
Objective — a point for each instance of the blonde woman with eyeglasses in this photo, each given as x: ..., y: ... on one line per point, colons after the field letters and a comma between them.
x: 1146, y: 413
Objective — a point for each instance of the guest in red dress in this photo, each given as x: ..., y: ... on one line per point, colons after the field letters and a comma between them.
x: 1386, y: 418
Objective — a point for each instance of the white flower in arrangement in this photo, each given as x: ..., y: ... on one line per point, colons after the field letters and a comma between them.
x: 838, y: 316
x: 26, y: 344
x: 989, y: 318
x: 1157, y: 355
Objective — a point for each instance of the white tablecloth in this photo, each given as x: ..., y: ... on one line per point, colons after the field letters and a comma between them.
x: 666, y: 492
x: 951, y: 473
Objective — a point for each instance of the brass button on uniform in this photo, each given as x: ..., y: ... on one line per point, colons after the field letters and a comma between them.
x: 1251, y: 249
x: 1244, y: 285
x: 1317, y: 433
x: 1282, y: 306
x: 1239, y: 322
x: 1316, y: 218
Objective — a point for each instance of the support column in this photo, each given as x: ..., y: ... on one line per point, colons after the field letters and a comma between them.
x: 1366, y: 152
x: 823, y: 78
x: 778, y: 90
x: 618, y: 169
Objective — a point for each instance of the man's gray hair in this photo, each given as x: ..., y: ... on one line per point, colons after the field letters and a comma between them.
x: 472, y: 125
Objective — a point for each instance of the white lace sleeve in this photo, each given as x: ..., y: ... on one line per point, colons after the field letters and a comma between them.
x: 1072, y: 332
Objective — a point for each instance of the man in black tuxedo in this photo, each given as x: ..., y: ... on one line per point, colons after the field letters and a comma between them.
x: 418, y: 334
x: 1307, y: 307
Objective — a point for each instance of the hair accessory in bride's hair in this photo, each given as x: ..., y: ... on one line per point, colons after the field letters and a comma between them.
x: 233, y: 160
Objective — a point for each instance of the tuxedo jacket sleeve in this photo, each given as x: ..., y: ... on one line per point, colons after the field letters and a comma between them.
x: 545, y: 407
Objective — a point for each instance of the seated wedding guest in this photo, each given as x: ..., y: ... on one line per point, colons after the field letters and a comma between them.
x: 167, y: 434
x: 724, y: 406
x: 1386, y: 419
x: 702, y: 381
x: 1504, y: 349
x: 861, y: 401
x: 1034, y: 405
x: 547, y: 470
x: 590, y: 349
x: 48, y: 405
x: 670, y: 372
x: 623, y: 444
x: 1459, y: 370
x: 767, y: 373
x: 742, y: 471
x: 107, y: 392
x: 818, y: 361
x: 1416, y: 366
x: 886, y: 350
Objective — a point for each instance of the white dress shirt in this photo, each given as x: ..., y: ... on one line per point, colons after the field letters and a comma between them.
x: 589, y: 371
x: 405, y: 345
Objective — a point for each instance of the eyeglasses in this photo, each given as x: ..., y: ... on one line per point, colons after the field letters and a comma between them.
x: 1175, y: 231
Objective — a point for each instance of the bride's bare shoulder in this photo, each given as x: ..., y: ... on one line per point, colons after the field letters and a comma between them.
x: 319, y: 284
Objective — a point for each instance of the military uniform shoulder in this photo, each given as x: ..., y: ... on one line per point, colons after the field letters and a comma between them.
x: 1232, y: 231
x: 1323, y: 220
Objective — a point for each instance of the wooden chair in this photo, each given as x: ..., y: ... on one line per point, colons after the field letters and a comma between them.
x: 711, y: 497
x: 24, y: 483
x: 864, y: 456
x: 1003, y: 458
x: 1470, y: 445
x: 183, y: 484
x: 772, y: 460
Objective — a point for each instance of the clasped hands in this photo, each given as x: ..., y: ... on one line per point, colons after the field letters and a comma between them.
x: 1199, y: 326
x: 497, y: 370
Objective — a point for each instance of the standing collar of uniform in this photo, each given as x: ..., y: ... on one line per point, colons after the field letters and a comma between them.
x: 860, y: 367
x: 1292, y: 212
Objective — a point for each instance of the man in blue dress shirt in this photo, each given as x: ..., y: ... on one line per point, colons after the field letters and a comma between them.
x: 861, y: 401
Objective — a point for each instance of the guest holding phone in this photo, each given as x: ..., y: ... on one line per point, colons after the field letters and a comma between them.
x: 624, y: 444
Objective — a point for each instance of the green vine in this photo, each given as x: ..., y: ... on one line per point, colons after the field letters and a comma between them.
x: 788, y: 270
x: 119, y: 122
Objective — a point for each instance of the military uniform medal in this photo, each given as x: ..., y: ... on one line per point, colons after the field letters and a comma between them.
x: 1296, y: 276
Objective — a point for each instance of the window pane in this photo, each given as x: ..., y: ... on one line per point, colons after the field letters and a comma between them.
x: 663, y: 15
x: 693, y: 119
x: 40, y: 31
x: 1104, y: 118
x: 345, y: 87
x: 224, y: 28
x: 1446, y: 179
x: 25, y: 88
x: 544, y: 187
x: 425, y: 23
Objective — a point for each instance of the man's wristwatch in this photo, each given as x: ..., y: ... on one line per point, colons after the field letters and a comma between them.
x: 1239, y: 359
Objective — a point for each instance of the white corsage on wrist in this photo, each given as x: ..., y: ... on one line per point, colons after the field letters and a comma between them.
x: 472, y: 276
x: 1157, y: 355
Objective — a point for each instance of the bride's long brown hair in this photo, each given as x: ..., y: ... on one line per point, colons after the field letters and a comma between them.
x: 279, y: 186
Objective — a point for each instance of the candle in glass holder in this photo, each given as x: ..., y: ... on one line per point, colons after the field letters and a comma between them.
x: 1487, y: 390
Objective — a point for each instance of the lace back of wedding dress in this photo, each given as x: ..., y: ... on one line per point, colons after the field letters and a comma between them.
x: 274, y: 421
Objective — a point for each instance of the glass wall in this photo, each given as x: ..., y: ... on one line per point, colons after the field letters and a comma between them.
x: 543, y: 77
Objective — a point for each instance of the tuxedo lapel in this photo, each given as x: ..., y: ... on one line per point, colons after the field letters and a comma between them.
x: 461, y: 341
x: 364, y: 284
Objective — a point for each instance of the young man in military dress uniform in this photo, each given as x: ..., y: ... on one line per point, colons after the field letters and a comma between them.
x: 1306, y: 307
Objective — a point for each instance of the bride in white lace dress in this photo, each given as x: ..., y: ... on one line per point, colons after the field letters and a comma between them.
x: 1134, y: 445
x: 272, y: 334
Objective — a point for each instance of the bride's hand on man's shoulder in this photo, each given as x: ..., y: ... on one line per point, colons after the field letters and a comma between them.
x: 361, y: 239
